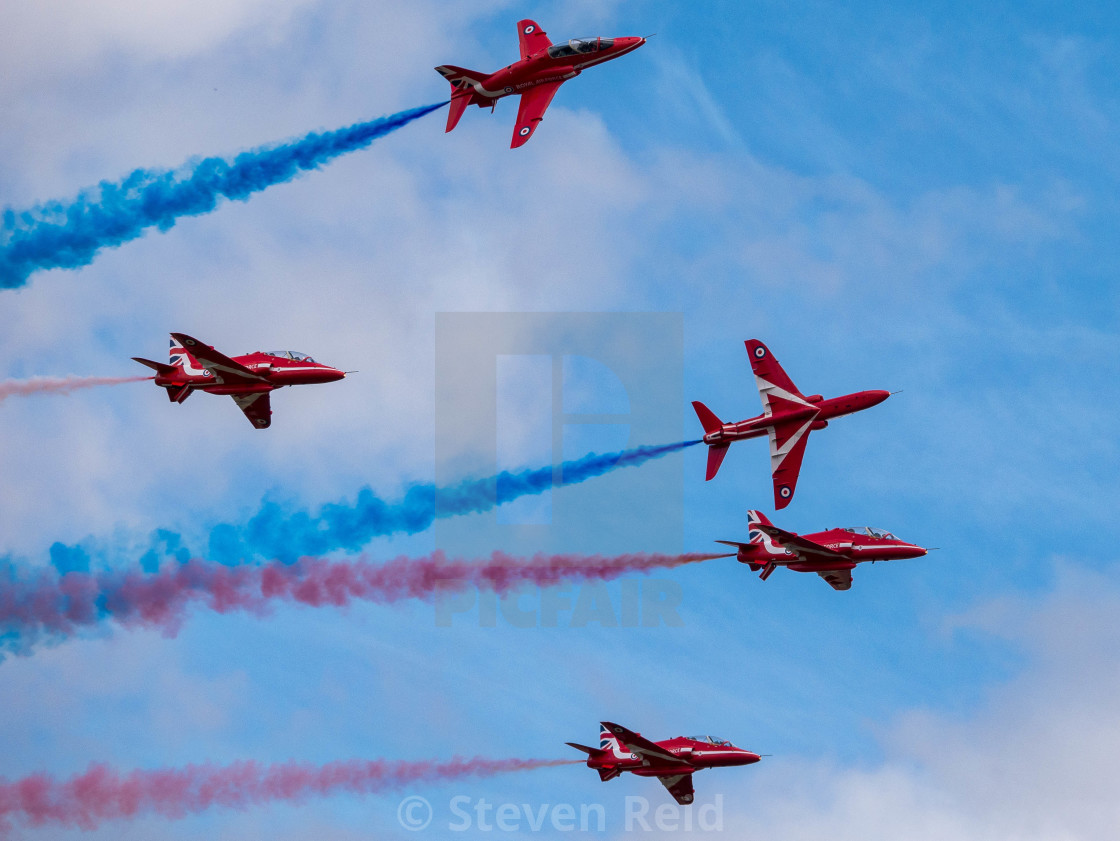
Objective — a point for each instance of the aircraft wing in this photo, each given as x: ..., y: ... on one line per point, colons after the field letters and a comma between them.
x: 257, y: 408
x: 531, y: 38
x: 772, y: 380
x: 680, y: 786
x: 643, y: 747
x: 798, y: 544
x: 224, y: 369
x: 840, y: 579
x: 787, y: 448
x: 534, y: 102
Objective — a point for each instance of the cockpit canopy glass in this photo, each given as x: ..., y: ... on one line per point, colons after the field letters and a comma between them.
x: 290, y: 354
x: 579, y: 46
x: 711, y: 740
x: 873, y: 532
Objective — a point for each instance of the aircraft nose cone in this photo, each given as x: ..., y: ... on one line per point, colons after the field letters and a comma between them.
x: 874, y: 398
x: 333, y: 374
x: 750, y: 758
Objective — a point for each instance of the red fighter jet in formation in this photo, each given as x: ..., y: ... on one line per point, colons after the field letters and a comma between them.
x: 543, y: 68
x: 247, y: 379
x: 788, y: 416
x: 672, y: 761
x: 831, y: 554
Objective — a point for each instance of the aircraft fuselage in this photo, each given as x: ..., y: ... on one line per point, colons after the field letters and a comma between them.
x: 698, y: 754
x: 820, y: 412
x: 276, y: 371
x: 540, y: 68
x: 855, y: 548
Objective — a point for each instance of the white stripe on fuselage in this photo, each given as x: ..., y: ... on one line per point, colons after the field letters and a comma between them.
x: 188, y: 366
x: 296, y: 368
x: 770, y: 546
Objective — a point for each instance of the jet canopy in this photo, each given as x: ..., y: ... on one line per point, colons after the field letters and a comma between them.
x: 290, y: 354
x: 711, y: 740
x: 579, y: 46
x: 872, y: 532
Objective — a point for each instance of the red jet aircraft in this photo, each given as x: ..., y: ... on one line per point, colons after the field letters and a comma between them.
x: 672, y: 761
x: 831, y: 554
x: 787, y: 417
x: 543, y: 68
x: 247, y: 379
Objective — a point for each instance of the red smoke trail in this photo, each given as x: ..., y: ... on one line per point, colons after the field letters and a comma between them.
x: 62, y: 604
x: 58, y: 385
x: 102, y: 794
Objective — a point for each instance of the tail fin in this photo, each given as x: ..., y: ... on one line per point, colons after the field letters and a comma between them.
x: 760, y: 538
x: 708, y: 420
x: 608, y: 741
x: 462, y: 90
x: 757, y: 535
x: 181, y: 357
x: 755, y: 518
x: 711, y: 424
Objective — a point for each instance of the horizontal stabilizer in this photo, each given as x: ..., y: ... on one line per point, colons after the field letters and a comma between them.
x: 585, y: 748
x: 708, y: 420
x: 740, y: 546
x: 158, y: 367
x: 715, y: 459
x: 459, y: 102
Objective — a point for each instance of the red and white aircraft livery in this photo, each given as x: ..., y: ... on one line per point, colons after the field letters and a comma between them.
x: 788, y: 416
x: 543, y: 68
x: 831, y: 554
x: 247, y: 379
x: 672, y: 761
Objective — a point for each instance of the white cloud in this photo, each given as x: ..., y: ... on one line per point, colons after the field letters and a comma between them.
x: 684, y: 88
x: 52, y: 37
x: 349, y: 264
x: 1038, y: 761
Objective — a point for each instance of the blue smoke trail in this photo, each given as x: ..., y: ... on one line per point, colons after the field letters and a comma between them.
x: 276, y: 533
x: 68, y: 236
x: 272, y: 534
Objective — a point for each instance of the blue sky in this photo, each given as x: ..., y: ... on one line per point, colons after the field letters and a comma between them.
x: 889, y: 197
